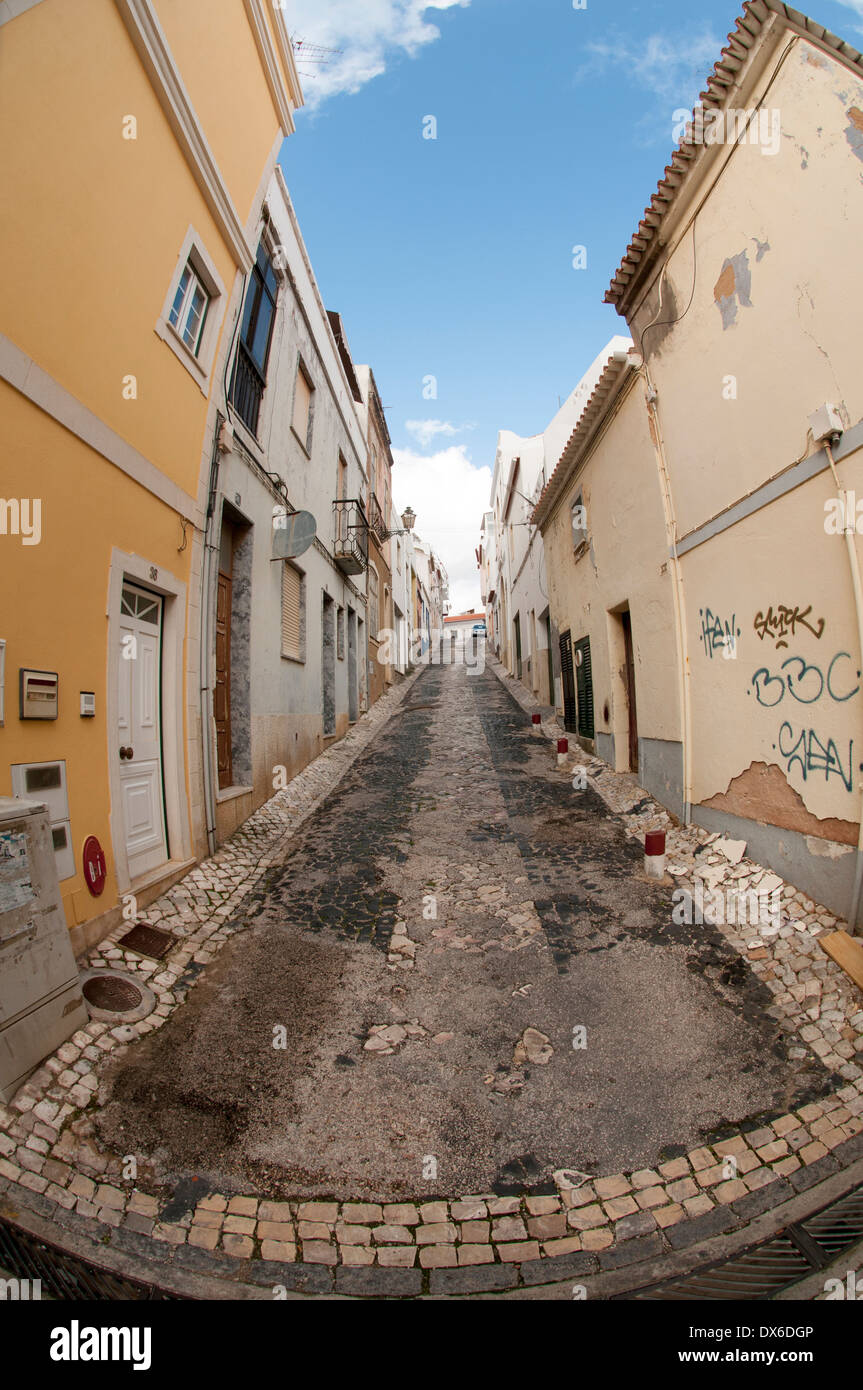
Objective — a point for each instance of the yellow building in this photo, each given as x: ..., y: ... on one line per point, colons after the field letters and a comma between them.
x: 139, y: 140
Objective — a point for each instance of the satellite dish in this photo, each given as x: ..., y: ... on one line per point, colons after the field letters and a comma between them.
x: 292, y: 534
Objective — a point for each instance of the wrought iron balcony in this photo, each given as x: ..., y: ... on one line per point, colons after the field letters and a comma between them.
x: 376, y: 521
x: 247, y: 389
x: 351, y: 531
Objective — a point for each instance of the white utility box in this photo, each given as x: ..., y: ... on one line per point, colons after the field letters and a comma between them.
x: 41, y: 1004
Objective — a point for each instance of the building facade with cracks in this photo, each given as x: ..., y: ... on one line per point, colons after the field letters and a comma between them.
x: 735, y: 692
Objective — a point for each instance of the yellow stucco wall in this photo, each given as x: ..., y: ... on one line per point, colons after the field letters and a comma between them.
x: 54, y: 614
x: 623, y: 565
x: 222, y: 71
x: 93, y: 229
x: 95, y: 223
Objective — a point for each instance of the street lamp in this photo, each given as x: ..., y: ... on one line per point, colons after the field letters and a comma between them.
x: 409, y: 516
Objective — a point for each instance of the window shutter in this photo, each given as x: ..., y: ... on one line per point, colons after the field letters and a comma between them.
x: 292, y: 592
x: 584, y: 687
x: 302, y: 402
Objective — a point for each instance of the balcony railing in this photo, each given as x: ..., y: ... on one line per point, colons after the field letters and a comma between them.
x: 376, y: 521
x: 247, y: 389
x: 351, y: 535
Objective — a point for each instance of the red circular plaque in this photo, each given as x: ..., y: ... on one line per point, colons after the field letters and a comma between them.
x: 95, y: 869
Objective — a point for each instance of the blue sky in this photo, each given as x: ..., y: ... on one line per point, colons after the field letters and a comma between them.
x: 452, y: 257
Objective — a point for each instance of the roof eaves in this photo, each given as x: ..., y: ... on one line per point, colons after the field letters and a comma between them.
x: 725, y: 74
x: 613, y: 374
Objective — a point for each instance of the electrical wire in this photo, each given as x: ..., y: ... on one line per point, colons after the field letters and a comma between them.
x: 667, y: 323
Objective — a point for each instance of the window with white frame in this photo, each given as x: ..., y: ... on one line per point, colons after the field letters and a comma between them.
x: 340, y: 633
x: 189, y: 309
x: 193, y: 309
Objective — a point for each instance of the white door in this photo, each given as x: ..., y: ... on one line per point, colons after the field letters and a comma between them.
x: 139, y: 739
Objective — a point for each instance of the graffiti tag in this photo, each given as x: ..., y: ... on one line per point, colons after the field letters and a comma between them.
x: 718, y: 634
x: 804, y: 681
x: 812, y: 755
x: 783, y: 621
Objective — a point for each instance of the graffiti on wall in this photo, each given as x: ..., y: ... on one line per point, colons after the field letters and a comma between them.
x: 718, y: 634
x: 805, y: 682
x: 811, y: 754
x: 785, y: 683
x: 779, y: 623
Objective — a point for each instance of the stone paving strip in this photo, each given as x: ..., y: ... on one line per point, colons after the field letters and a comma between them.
x: 474, y: 1242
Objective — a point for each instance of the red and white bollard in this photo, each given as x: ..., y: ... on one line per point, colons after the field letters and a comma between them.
x: 536, y: 719
x: 562, y: 751
x: 654, y: 853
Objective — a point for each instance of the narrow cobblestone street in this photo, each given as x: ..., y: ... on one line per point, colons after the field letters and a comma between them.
x: 456, y: 892
x: 426, y: 1027
x: 431, y: 839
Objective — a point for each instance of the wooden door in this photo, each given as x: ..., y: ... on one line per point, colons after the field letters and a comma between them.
x: 551, y: 699
x: 584, y: 687
x: 630, y: 692
x: 568, y: 683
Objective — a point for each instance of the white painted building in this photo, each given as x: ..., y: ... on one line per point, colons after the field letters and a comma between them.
x: 512, y: 563
x: 285, y: 639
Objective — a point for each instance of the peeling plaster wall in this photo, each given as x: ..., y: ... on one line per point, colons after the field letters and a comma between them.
x: 625, y: 562
x: 776, y: 702
x: 825, y: 870
x: 777, y: 270
x: 772, y: 332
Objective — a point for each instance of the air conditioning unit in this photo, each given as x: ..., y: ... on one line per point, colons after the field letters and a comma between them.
x: 41, y: 1004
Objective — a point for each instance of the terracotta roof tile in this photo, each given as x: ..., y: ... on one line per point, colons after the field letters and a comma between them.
x: 725, y: 73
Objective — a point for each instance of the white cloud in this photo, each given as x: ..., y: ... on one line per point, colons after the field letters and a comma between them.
x: 672, y: 70
x: 424, y: 431
x: 369, y: 33
x: 449, y: 496
x: 857, y: 7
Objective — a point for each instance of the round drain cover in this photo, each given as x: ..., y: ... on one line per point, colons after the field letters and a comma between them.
x: 112, y: 993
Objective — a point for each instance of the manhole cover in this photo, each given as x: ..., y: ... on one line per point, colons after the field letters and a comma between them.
x: 113, y: 994
x: 148, y: 941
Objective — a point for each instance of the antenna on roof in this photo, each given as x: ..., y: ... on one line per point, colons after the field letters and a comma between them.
x: 316, y: 54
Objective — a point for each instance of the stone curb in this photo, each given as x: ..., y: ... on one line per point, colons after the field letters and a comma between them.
x: 200, y: 1274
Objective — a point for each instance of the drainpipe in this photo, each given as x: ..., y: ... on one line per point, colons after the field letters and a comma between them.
x: 854, y: 567
x: 677, y: 588
x: 206, y: 690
